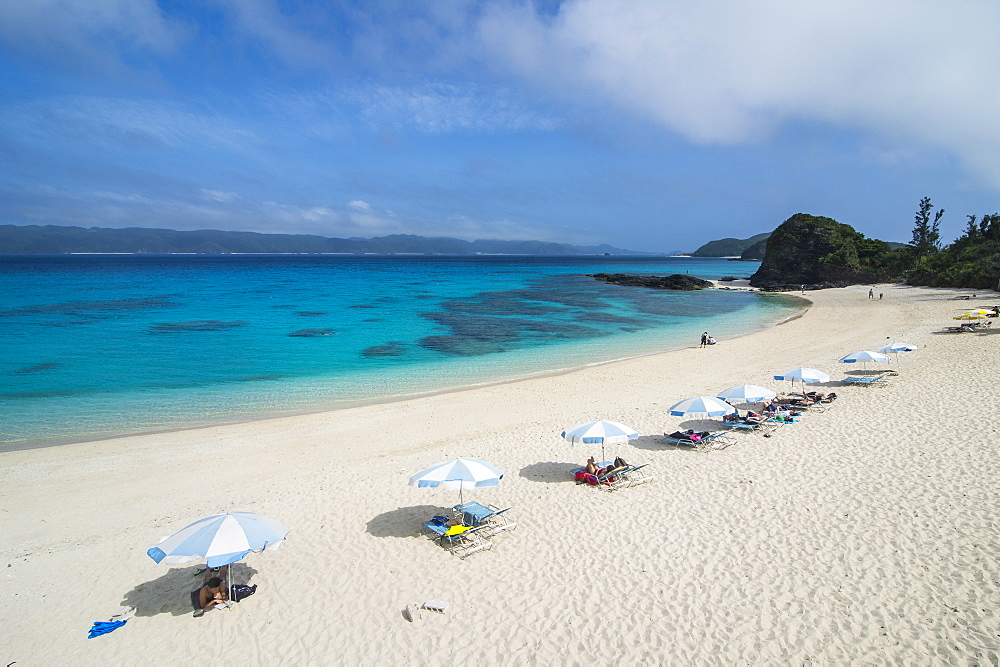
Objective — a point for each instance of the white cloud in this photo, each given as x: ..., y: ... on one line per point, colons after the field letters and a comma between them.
x: 85, y: 34
x: 219, y: 196
x: 731, y: 71
x: 359, y: 205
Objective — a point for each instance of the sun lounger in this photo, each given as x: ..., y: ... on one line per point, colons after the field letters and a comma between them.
x: 614, y: 479
x: 709, y: 442
x: 762, y: 428
x: 459, y: 539
x: 867, y: 380
x: 490, y: 517
x: 624, y: 478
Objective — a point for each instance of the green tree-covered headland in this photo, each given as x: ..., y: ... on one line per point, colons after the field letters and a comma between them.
x: 808, y: 251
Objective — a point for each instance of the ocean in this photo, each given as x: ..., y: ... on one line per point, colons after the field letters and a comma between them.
x: 102, y: 345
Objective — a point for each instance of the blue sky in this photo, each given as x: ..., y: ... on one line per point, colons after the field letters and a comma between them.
x: 647, y: 125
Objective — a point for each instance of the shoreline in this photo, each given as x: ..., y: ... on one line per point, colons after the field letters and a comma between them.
x: 852, y: 536
x: 43, y: 443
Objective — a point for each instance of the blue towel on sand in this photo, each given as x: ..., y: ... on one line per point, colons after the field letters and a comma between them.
x: 104, y: 627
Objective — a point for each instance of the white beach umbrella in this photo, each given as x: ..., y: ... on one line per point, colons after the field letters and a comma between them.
x: 701, y: 406
x: 746, y: 393
x: 898, y: 347
x: 804, y: 375
x: 602, y: 431
x: 221, y: 539
x: 458, y: 474
x: 863, y: 357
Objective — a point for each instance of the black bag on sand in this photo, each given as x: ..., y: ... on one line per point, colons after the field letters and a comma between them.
x: 241, y: 591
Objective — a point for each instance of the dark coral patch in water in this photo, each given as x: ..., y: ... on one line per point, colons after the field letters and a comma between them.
x: 310, y: 333
x: 81, y: 307
x: 38, y: 368
x: 499, y: 303
x: 390, y: 349
x: 310, y: 313
x: 196, y: 325
x: 608, y: 318
x: 361, y: 305
x: 462, y: 346
x: 260, y: 378
x: 476, y: 335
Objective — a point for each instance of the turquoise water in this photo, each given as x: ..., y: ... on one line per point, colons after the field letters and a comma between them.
x: 103, y: 345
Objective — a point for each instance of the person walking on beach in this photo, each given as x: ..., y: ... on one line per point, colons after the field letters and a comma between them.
x: 871, y: 293
x: 704, y: 339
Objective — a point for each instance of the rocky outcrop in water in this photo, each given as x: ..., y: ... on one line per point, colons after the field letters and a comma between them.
x: 677, y: 281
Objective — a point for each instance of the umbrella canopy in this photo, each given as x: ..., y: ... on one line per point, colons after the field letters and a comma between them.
x: 221, y: 539
x: 601, y: 432
x: 804, y: 374
x: 746, y: 393
x: 979, y: 312
x: 898, y: 347
x: 863, y: 356
x: 701, y: 406
x: 458, y: 474
x: 969, y: 316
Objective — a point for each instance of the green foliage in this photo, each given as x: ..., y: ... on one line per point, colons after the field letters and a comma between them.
x: 972, y: 261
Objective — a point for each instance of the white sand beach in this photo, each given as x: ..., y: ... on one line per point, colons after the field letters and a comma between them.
x: 864, y: 534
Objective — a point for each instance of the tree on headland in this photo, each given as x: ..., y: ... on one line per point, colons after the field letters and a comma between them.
x: 926, y: 234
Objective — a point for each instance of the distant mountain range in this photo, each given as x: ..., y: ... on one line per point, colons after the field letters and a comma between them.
x: 56, y: 240
x: 751, y: 248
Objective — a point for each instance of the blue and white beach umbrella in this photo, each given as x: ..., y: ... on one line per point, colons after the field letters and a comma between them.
x: 746, y: 393
x: 805, y: 375
x: 898, y: 347
x: 600, y: 432
x: 458, y: 474
x: 221, y: 539
x: 864, y: 356
x: 701, y: 406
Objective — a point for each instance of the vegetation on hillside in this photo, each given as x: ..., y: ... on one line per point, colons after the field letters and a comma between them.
x: 972, y: 260
x: 808, y: 250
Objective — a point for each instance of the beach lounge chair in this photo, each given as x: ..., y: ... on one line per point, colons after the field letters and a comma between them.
x: 490, y: 517
x: 629, y: 476
x: 614, y: 479
x: 459, y: 539
x: 765, y: 427
x: 624, y: 478
x: 709, y: 441
x: 867, y: 380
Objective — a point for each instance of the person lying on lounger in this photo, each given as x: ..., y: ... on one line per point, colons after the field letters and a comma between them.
x: 592, y: 468
x: 693, y: 436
